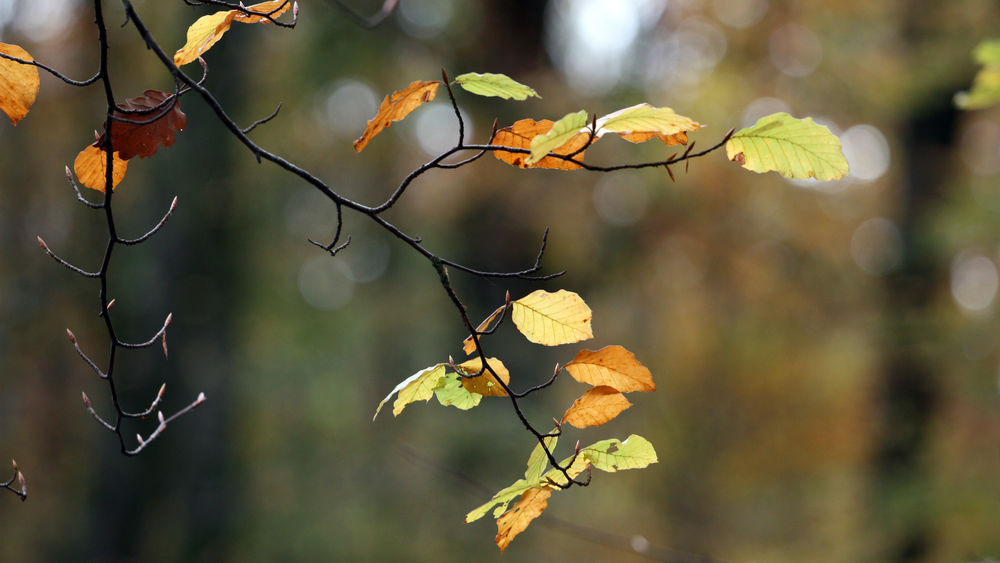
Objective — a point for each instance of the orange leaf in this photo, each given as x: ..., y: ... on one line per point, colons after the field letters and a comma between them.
x: 91, y: 164
x: 596, y: 406
x: 18, y: 83
x: 516, y: 520
x: 675, y: 139
x: 519, y: 136
x: 485, y: 384
x: 468, y: 345
x: 613, y: 366
x: 158, y: 127
x: 202, y: 34
x: 396, y: 107
x: 274, y: 9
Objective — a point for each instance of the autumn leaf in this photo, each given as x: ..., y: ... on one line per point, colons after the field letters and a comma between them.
x: 273, y: 9
x: 574, y: 467
x: 418, y: 387
x: 451, y: 393
x: 635, y: 452
x: 207, y: 30
x: 985, y: 90
x: 551, y: 319
x: 538, y: 461
x: 794, y: 148
x: 91, y: 164
x: 613, y: 366
x: 562, y: 132
x: 158, y: 125
x: 18, y: 83
x: 484, y: 384
x: 468, y: 344
x: 501, y: 500
x: 395, y: 107
x: 517, y: 519
x: 596, y: 406
x: 519, y: 136
x: 497, y: 85
x: 643, y: 122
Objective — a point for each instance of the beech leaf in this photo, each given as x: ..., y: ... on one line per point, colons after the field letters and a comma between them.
x: 635, y: 452
x: 596, y: 406
x: 643, y: 122
x: 91, y: 164
x: 273, y: 9
x: 207, y: 30
x: 158, y: 125
x: 451, y: 393
x: 517, y: 519
x: 551, y: 319
x: 613, y: 366
x: 538, y: 461
x: 496, y: 85
x: 794, y: 148
x: 468, y: 345
x: 418, y: 387
x: 396, y: 106
x: 562, y: 132
x: 484, y: 384
x: 18, y: 83
x: 519, y: 136
x: 500, y: 500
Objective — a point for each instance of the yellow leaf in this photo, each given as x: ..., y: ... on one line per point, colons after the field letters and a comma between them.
x: 202, y: 34
x: 274, y: 9
x: 468, y: 345
x: 91, y: 164
x: 516, y: 520
x: 485, y: 384
x: 551, y: 319
x: 596, y: 406
x: 613, y: 366
x: 418, y: 387
x: 519, y: 136
x: 18, y: 83
x: 643, y: 122
x: 396, y: 107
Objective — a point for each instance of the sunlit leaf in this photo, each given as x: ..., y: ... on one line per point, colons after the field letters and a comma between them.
x: 450, y: 393
x: 519, y: 136
x: 273, y: 8
x: 18, y: 83
x: 485, y: 384
x: 91, y: 164
x: 159, y: 124
x: 418, y: 387
x: 202, y: 34
x: 497, y: 85
x: 635, y: 452
x: 613, y: 366
x: 516, y: 520
x: 643, y: 122
x: 794, y: 148
x: 468, y: 345
x: 985, y: 90
x: 554, y: 477
x: 395, y: 107
x: 500, y: 500
x: 538, y: 461
x: 551, y: 319
x: 562, y: 132
x: 596, y: 406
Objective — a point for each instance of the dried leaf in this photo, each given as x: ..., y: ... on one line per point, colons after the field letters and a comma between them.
x: 519, y: 136
x: 596, y: 406
x: 643, y: 122
x: 395, y: 107
x: 273, y: 8
x: 90, y: 166
x: 468, y: 345
x: 562, y: 132
x: 157, y: 127
x: 794, y: 148
x: 18, y: 83
x: 551, y: 319
x: 485, y: 384
x: 517, y: 519
x: 613, y: 366
x: 497, y: 85
x: 202, y: 34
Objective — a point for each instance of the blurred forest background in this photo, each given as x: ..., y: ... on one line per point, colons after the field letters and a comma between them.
x: 826, y: 355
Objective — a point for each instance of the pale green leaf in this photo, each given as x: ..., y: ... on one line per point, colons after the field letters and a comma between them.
x: 452, y: 393
x: 555, y: 478
x: 418, y: 387
x: 644, y: 118
x: 985, y: 90
x: 987, y: 52
x: 794, y: 148
x: 562, y: 131
x: 635, y: 452
x: 496, y: 85
x: 502, y: 499
x: 538, y: 461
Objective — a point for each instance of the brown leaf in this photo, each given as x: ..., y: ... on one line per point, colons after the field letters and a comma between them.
x: 395, y: 107
x: 91, y: 164
x: 596, y: 406
x: 613, y: 366
x: 18, y: 83
x: 519, y: 136
x: 158, y: 127
x: 274, y: 9
x: 468, y: 345
x: 485, y: 384
x: 516, y: 520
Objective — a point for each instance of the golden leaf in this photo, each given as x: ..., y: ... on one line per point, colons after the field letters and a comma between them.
x: 596, y: 406
x: 613, y: 366
x: 519, y: 136
x: 468, y: 345
x: 274, y: 9
x: 516, y: 520
x: 551, y: 319
x: 395, y: 107
x: 202, y: 34
x: 91, y: 164
x: 18, y: 83
x: 485, y: 384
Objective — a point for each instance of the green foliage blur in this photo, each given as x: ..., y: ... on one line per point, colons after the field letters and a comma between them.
x: 825, y: 354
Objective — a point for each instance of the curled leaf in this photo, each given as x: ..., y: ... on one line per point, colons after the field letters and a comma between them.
x: 18, y: 83
x: 395, y: 107
x: 519, y: 136
x: 468, y: 345
x: 551, y: 319
x: 562, y: 132
x: 418, y: 387
x: 273, y: 9
x: 643, y: 122
x: 794, y: 148
x: 158, y: 124
x: 596, y: 406
x: 91, y: 164
x: 613, y: 366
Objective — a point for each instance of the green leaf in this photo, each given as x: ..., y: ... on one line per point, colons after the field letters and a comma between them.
x: 496, y: 85
x: 985, y: 90
x: 987, y: 52
x: 451, y: 392
x: 635, y: 452
x: 644, y: 118
x: 418, y: 387
x: 538, y: 461
x: 794, y: 148
x: 556, y: 476
x: 502, y: 499
x: 562, y: 131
